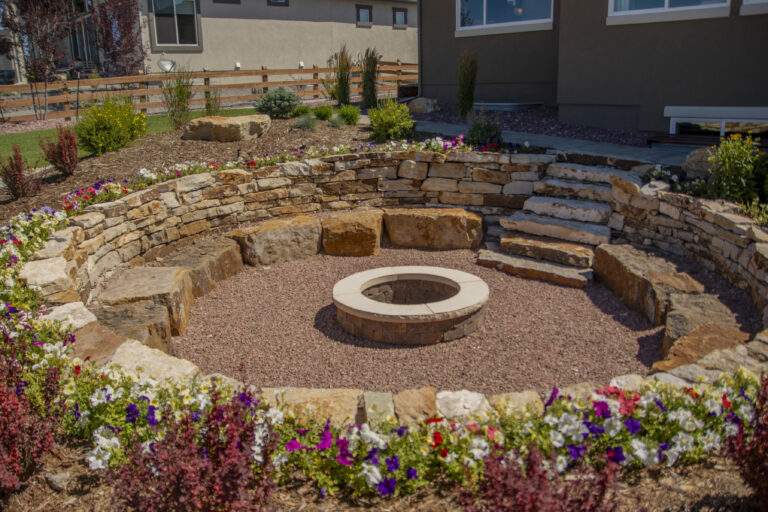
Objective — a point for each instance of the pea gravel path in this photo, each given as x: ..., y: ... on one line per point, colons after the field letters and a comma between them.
x: 276, y: 327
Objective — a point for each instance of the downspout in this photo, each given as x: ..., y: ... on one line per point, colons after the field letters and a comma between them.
x: 420, y: 49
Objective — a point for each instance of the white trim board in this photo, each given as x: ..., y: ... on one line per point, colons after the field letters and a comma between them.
x: 751, y: 7
x: 664, y: 14
x: 714, y: 113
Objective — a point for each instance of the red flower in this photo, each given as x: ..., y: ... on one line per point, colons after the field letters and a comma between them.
x: 430, y: 421
x: 692, y: 393
x: 726, y: 403
x: 627, y: 405
x: 437, y: 439
x: 444, y: 452
x: 77, y: 370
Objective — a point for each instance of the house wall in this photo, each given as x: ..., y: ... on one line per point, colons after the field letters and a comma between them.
x: 623, y: 76
x: 256, y: 34
x: 518, y: 67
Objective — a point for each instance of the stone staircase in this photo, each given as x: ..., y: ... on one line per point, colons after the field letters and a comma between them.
x: 553, y: 237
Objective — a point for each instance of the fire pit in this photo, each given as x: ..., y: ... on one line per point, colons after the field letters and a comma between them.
x: 410, y: 305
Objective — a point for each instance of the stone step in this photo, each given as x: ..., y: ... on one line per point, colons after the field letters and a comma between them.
x: 568, y: 230
x: 527, y: 268
x: 548, y: 249
x: 575, y: 189
x: 569, y: 209
x: 579, y: 172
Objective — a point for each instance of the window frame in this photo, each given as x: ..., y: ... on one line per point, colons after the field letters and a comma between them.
x: 395, y: 10
x: 666, y: 13
x: 751, y: 7
x: 361, y: 7
x: 509, y: 27
x: 157, y: 47
x: 227, y: 2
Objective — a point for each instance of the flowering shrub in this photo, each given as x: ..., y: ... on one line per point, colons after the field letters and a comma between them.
x: 213, y: 462
x: 514, y: 485
x: 101, y: 191
x: 750, y: 452
x: 16, y: 175
x: 62, y: 154
x: 732, y: 172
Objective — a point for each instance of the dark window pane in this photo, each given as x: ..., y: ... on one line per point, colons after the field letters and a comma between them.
x: 185, y: 19
x: 505, y: 11
x: 400, y: 17
x: 364, y: 15
x: 471, y: 13
x: 690, y: 3
x: 165, y: 25
x: 637, y: 5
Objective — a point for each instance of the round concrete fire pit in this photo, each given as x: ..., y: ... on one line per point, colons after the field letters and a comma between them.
x: 410, y: 305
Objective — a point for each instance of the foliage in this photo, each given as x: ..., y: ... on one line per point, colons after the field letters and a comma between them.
x: 278, y: 103
x: 513, y: 485
x: 323, y: 112
x: 213, y: 103
x: 341, y: 86
x: 17, y: 176
x: 732, y: 169
x: 336, y: 121
x: 761, y: 176
x: 110, y: 126
x: 350, y: 114
x: 100, y: 192
x: 750, y: 451
x: 369, y: 62
x: 301, y: 110
x: 391, y: 121
x: 757, y: 211
x: 62, y: 154
x: 203, y: 463
x: 306, y: 122
x: 119, y: 36
x: 467, y: 77
x: 177, y: 94
x: 485, y: 132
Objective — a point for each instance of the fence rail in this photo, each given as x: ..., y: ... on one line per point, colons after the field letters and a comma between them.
x: 65, y: 99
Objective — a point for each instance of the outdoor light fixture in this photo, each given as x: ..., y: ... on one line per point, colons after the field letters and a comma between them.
x: 237, y: 66
x: 166, y: 65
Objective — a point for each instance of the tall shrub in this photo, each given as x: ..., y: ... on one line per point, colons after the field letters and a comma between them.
x: 110, y: 126
x: 466, y: 82
x: 732, y: 169
x: 17, y: 175
x: 62, y: 154
x: 119, y: 36
x: 341, y: 62
x: 177, y: 94
x: 370, y: 74
x: 391, y: 121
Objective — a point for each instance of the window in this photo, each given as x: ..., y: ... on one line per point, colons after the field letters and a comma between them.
x: 364, y: 15
x: 754, y: 7
x: 175, y: 22
x: 226, y: 2
x: 278, y: 3
x: 622, y: 12
x: 399, y: 17
x: 475, y: 17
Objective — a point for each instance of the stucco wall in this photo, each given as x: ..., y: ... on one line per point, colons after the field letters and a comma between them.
x: 256, y: 34
x: 511, y: 67
x: 623, y: 76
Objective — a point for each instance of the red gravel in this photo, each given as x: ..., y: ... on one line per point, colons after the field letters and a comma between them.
x: 276, y: 327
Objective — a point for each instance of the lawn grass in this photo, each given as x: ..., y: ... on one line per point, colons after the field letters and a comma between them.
x: 29, y: 142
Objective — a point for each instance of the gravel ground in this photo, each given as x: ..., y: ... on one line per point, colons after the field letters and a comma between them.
x: 276, y: 327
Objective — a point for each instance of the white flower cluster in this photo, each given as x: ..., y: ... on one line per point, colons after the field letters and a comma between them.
x: 105, y: 441
x: 567, y: 428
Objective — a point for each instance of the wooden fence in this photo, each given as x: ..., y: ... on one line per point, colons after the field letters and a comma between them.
x: 67, y: 98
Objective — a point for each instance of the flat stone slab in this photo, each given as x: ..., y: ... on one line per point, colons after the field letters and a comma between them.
x: 341, y: 406
x: 62, y: 243
x: 568, y: 230
x: 642, y: 280
x: 548, y: 249
x: 144, y: 321
x: 687, y: 312
x: 580, y: 172
x: 699, y: 342
x: 412, y: 406
x: 532, y: 269
x: 96, y: 343
x: 52, y: 277
x: 433, y: 228
x: 356, y: 233
x: 378, y: 407
x: 569, y: 209
x: 279, y: 240
x: 575, y: 189
x: 462, y: 405
x: 145, y: 362
x: 227, y: 129
x: 73, y: 315
x: 517, y: 404
x: 169, y: 286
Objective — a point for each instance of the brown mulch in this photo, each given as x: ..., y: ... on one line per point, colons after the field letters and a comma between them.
x: 712, y: 487
x: 160, y: 149
x: 31, y: 126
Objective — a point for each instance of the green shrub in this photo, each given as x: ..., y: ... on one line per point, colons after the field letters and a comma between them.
x: 732, y: 170
x: 758, y: 211
x: 323, y: 112
x: 110, y: 126
x: 278, y: 103
x: 341, y: 62
x: 336, y: 121
x: 391, y: 121
x: 467, y: 78
x: 485, y: 130
x: 761, y: 177
x: 301, y: 110
x: 213, y: 103
x: 370, y: 74
x: 306, y: 122
x: 177, y: 94
x: 350, y: 114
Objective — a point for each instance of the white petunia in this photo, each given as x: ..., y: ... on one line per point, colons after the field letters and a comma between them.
x: 371, y: 473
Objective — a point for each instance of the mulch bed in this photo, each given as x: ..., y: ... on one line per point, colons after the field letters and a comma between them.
x: 161, y: 149
x: 544, y: 121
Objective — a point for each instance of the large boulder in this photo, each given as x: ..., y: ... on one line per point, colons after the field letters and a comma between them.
x: 168, y: 286
x: 53, y: 278
x: 689, y: 312
x: 696, y: 164
x: 227, y: 129
x: 148, y: 363
x: 412, y: 406
x: 643, y: 281
x: 433, y: 228
x: 700, y: 342
x: 144, y: 321
x: 279, y: 240
x: 338, y: 405
x: 96, y: 343
x: 423, y: 105
x: 353, y: 233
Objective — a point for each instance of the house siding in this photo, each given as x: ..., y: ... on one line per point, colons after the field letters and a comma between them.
x: 518, y: 67
x: 256, y: 34
x: 623, y: 76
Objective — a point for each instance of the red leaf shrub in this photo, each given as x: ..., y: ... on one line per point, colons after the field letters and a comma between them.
x: 24, y: 438
x: 750, y: 453
x: 507, y: 487
x: 16, y: 175
x: 62, y: 154
x: 199, y: 465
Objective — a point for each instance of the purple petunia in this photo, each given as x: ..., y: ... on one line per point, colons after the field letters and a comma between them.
x: 196, y: 415
x: 552, y: 397
x: 576, y: 451
x: 344, y: 457
x: 76, y: 412
x: 246, y: 399
x: 660, y: 404
x: 412, y: 474
x: 594, y: 429
x: 151, y: 417
x: 393, y: 463
x: 401, y: 431
x: 632, y: 425
x: 373, y: 456
x: 602, y: 409
x: 326, y: 438
x: 293, y: 445
x: 387, y: 486
x: 616, y: 454
x: 660, y: 453
x: 132, y: 413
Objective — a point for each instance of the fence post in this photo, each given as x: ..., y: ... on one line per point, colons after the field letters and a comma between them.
x: 264, y: 78
x: 143, y: 98
x: 397, y: 78
x: 207, y: 83
x: 315, y: 86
